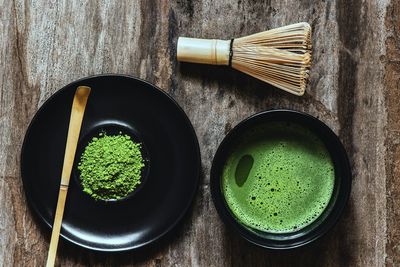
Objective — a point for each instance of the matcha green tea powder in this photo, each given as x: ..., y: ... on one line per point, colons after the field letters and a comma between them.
x: 111, y: 166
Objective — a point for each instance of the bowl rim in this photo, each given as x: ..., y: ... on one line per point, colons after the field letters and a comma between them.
x: 297, y: 240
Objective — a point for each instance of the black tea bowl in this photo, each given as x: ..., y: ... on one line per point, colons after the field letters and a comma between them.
x: 330, y: 215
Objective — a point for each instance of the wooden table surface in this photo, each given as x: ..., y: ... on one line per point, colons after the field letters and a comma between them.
x: 354, y: 88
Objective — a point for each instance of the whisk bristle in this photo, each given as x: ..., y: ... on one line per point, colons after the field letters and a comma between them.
x: 281, y: 57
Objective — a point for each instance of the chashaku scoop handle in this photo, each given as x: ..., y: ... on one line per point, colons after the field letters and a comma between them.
x: 203, y: 51
x: 75, y: 122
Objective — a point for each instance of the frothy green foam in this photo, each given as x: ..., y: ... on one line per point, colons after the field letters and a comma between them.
x: 279, y: 178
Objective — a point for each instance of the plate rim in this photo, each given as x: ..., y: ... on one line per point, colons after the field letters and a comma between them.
x: 197, y: 153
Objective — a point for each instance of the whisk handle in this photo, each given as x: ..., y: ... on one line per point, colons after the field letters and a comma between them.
x: 204, y: 51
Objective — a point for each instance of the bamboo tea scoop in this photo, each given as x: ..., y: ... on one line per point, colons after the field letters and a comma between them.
x: 75, y: 122
x: 281, y: 57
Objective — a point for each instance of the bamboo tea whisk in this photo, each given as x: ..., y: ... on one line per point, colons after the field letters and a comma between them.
x: 280, y: 57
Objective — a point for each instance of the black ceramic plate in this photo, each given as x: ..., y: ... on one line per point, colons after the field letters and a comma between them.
x: 170, y: 179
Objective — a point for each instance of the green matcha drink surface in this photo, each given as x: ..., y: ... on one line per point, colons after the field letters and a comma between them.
x: 279, y: 178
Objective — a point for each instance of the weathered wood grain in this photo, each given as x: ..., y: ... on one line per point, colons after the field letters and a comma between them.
x: 392, y: 142
x: 354, y: 88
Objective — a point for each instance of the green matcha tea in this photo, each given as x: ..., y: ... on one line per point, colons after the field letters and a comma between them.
x: 279, y: 178
x: 111, y: 166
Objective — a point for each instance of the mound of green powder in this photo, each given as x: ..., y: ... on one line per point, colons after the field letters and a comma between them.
x: 110, y: 166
